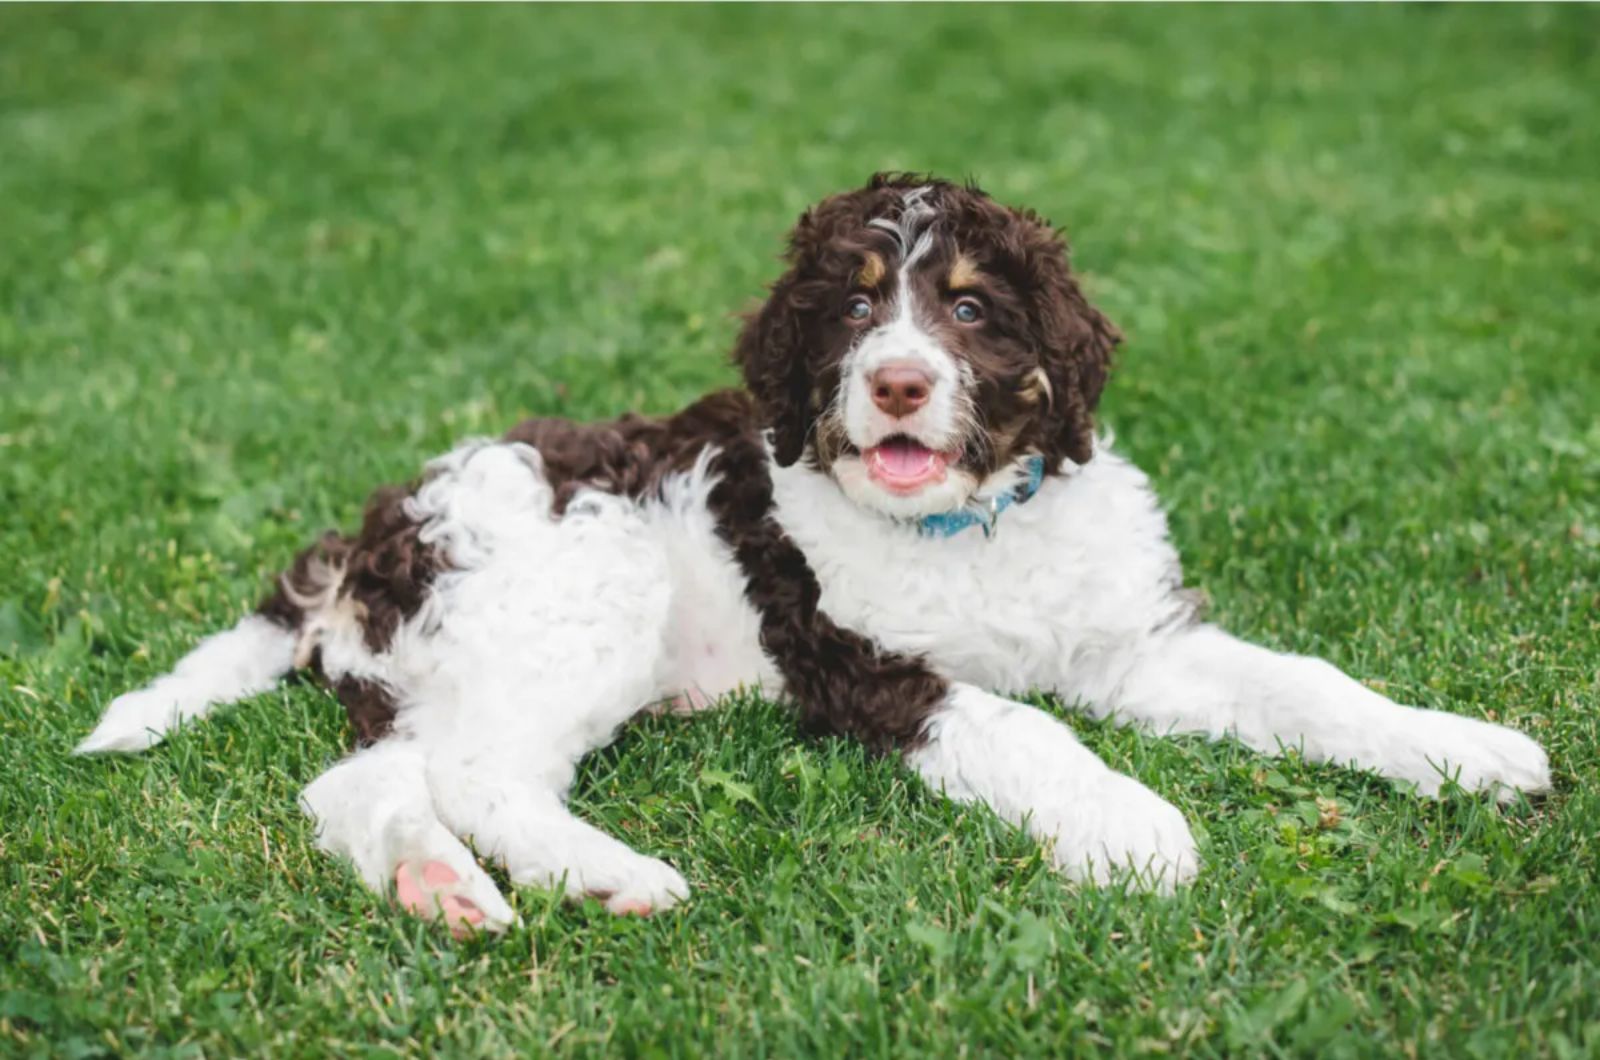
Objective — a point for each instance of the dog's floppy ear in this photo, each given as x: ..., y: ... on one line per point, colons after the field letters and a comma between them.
x: 779, y: 341
x: 771, y: 352
x: 1075, y: 342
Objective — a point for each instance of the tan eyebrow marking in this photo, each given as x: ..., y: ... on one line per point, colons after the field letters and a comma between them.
x: 964, y: 273
x: 872, y: 270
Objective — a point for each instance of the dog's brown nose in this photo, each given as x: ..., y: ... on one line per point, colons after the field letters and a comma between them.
x: 900, y: 389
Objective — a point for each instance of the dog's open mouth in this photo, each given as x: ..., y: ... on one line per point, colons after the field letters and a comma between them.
x: 901, y: 464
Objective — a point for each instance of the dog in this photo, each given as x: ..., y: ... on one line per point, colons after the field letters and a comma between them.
x: 904, y: 515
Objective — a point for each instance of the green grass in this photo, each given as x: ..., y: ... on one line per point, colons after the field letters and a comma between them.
x: 257, y: 261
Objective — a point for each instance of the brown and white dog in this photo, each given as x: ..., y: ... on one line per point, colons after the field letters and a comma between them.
x: 906, y: 513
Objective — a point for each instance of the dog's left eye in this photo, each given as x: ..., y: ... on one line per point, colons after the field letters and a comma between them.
x: 967, y: 310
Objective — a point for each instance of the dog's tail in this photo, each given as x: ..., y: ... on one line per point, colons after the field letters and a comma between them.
x: 226, y: 666
x: 236, y: 663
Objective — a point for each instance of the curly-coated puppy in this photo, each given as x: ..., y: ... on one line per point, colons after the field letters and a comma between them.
x: 906, y: 514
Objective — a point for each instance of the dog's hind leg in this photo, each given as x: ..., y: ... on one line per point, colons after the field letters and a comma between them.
x: 545, y: 636
x: 374, y: 808
x: 227, y: 666
x: 501, y: 785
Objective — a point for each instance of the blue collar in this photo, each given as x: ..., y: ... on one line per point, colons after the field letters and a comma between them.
x: 977, y: 513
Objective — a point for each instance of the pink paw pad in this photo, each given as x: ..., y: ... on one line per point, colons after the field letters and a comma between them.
x: 430, y: 895
x: 629, y: 907
x: 686, y: 702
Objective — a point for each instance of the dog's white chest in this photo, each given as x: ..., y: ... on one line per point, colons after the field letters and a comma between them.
x: 1084, y: 562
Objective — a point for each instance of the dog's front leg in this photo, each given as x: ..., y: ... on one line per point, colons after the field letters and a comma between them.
x: 1200, y: 679
x: 1096, y: 824
x: 975, y: 747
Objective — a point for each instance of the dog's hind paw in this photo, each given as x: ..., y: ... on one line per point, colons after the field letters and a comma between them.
x: 466, y: 904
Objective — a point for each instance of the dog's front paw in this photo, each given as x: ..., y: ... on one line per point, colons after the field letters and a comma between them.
x: 1477, y: 755
x: 1120, y: 831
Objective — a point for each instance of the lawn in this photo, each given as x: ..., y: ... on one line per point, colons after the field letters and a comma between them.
x: 257, y: 261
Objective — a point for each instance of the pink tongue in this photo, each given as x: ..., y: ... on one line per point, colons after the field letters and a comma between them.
x: 903, y: 458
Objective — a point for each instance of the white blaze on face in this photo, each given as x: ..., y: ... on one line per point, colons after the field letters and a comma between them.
x: 905, y: 463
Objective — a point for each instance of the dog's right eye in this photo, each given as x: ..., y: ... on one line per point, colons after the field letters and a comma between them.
x: 858, y: 308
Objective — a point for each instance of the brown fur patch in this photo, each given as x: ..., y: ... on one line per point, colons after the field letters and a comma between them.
x: 369, y: 706
x: 841, y: 682
x: 378, y: 579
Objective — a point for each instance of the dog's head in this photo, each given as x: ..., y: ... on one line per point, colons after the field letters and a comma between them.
x: 924, y: 340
